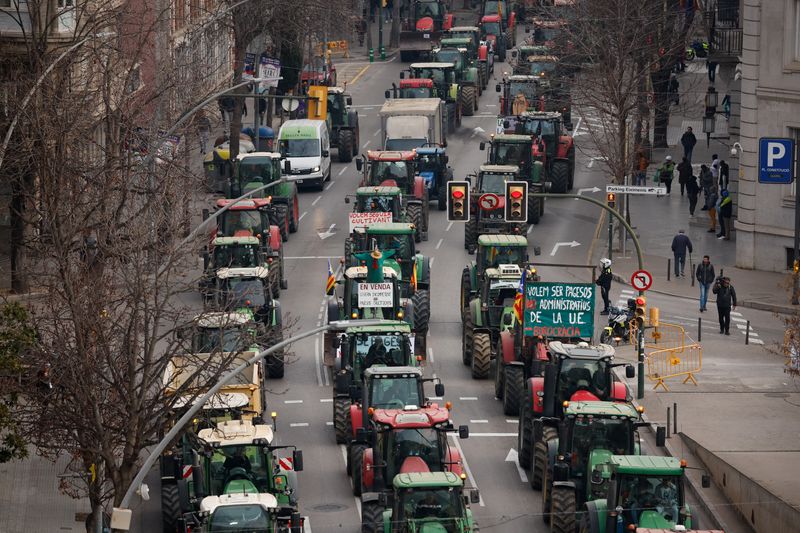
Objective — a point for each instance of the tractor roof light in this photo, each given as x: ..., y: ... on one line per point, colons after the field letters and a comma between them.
x: 400, y: 314
x: 371, y: 411
x: 640, y: 409
x: 448, y: 405
x: 565, y: 404
x: 354, y: 315
x: 684, y: 464
x: 274, y: 415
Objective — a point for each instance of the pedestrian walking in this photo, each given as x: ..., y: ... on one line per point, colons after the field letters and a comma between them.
x: 725, y: 212
x: 226, y: 106
x: 672, y: 89
x: 604, y: 282
x: 692, y: 192
x: 724, y: 174
x: 704, y: 274
x: 715, y: 169
x: 262, y: 110
x: 688, y: 140
x: 706, y: 182
x: 665, y: 173
x: 640, y: 178
x: 711, y: 201
x: 726, y: 106
x: 361, y: 30
x: 684, y: 173
x: 726, y: 301
x: 681, y: 244
x: 389, y: 10
x: 712, y: 70
x: 203, y: 130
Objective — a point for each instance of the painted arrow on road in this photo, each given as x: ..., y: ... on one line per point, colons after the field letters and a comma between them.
x: 588, y: 189
x: 476, y: 131
x: 325, y: 234
x: 513, y: 457
x: 558, y: 245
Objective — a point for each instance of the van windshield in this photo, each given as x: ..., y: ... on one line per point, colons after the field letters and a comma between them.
x: 299, y: 147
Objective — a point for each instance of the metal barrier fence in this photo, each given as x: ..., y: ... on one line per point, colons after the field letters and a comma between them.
x: 335, y: 47
x: 660, y: 337
x: 673, y: 362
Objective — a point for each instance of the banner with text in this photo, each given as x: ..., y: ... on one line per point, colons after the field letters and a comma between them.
x: 375, y: 295
x: 361, y: 220
x: 559, y: 309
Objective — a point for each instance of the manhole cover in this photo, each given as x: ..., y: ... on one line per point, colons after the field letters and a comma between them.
x: 329, y: 508
x: 777, y: 395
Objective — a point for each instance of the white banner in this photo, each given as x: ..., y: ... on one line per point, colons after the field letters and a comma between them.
x: 360, y: 220
x: 375, y: 295
x: 269, y: 69
x: 633, y: 189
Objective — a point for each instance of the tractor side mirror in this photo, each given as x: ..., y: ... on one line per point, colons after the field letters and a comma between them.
x: 402, y: 75
x: 537, y: 250
x: 705, y: 481
x: 514, y: 52
x: 387, y: 94
x: 438, y: 389
x: 359, y: 164
x: 347, y: 199
x: 474, y: 496
x: 630, y: 371
x: 287, y: 166
x: 482, y: 146
x: 463, y: 432
x: 325, y: 153
x: 661, y: 436
x: 349, y: 100
x: 497, y: 88
x: 297, y: 460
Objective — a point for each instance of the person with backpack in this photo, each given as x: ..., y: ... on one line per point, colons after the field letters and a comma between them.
x: 704, y: 274
x: 684, y: 173
x: 688, y: 140
x: 711, y: 202
x: 665, y: 173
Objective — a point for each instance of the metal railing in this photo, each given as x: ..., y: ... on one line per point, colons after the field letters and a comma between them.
x: 674, y: 362
x: 724, y: 30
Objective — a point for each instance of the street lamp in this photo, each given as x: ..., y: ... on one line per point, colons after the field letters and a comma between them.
x: 121, y: 516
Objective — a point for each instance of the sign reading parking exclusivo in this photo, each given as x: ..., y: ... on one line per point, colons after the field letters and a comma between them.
x: 559, y: 309
x: 775, y: 160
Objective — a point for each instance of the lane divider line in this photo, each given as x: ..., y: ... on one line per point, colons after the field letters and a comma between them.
x: 301, y: 218
x: 298, y: 425
x: 450, y: 225
x: 317, y: 199
x: 439, y: 244
x: 331, y: 184
x: 479, y: 421
x: 468, y: 398
x: 466, y: 465
x: 342, y: 171
x: 292, y: 401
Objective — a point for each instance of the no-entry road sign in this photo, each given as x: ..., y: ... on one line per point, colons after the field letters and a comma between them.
x: 641, y: 280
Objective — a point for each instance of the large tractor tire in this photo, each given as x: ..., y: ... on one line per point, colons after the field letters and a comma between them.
x: 540, y: 457
x: 563, y: 507
x: 356, y: 461
x: 467, y: 100
x: 465, y: 293
x: 294, y: 215
x: 589, y: 522
x: 481, y: 355
x: 499, y: 384
x: 525, y: 432
x: 415, y: 217
x: 466, y: 340
x: 170, y: 507
x: 534, y: 209
x: 571, y: 160
x: 280, y: 217
x: 276, y: 366
x: 274, y: 283
x: 371, y: 517
x: 347, y: 140
x: 471, y: 235
x: 559, y: 176
x: 514, y: 380
x: 341, y: 419
x: 422, y: 312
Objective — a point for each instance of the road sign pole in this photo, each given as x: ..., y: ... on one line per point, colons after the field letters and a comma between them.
x: 610, y: 236
x: 640, y: 369
x: 796, y: 257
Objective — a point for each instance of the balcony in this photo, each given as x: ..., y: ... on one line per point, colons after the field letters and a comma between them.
x: 724, y: 30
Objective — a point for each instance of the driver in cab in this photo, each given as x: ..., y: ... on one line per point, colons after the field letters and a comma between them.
x: 376, y: 354
x: 428, y: 507
x: 237, y: 460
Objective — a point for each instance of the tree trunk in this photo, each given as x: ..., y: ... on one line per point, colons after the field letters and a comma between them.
x: 238, y: 102
x: 20, y: 189
x: 370, y: 14
x: 394, y: 40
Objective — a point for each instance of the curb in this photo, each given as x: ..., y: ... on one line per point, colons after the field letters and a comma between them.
x: 390, y: 55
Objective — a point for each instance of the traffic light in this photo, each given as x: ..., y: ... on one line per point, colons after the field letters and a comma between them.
x: 611, y: 199
x: 516, y: 201
x: 458, y: 200
x: 641, y: 312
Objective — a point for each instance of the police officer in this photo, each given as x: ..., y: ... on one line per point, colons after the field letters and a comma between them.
x: 604, y: 282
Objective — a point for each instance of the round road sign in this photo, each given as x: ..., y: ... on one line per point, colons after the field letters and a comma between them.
x: 489, y: 201
x: 641, y: 280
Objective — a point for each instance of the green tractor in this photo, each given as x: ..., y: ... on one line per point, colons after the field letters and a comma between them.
x: 343, y: 124
x: 477, y: 50
x: 243, y: 512
x: 443, y: 78
x: 379, y: 199
x: 553, y: 145
x: 428, y: 502
x: 487, y: 205
x: 589, y: 434
x: 644, y: 493
x: 240, y: 252
x: 492, y: 251
x: 257, y: 169
x: 356, y: 350
x: 507, y: 149
x: 456, y: 52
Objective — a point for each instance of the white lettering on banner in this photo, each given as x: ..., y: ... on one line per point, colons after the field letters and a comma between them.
x: 375, y: 295
x: 360, y: 220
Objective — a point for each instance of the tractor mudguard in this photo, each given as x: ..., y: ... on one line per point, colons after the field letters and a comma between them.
x: 367, y: 471
x: 472, y: 75
x: 419, y: 188
x: 598, y: 511
x: 333, y: 310
x: 564, y: 145
x: 483, y: 52
x: 535, y: 152
x: 453, y: 461
x: 537, y: 171
x: 355, y: 418
x: 536, y: 385
x: 619, y: 392
x: 475, y: 312
x: 369, y: 497
x: 275, y: 238
x: 564, y: 484
x: 448, y: 22
x: 507, y: 347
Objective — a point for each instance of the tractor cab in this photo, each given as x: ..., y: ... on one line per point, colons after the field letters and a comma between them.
x: 239, y: 512
x: 441, y: 74
x: 547, y: 128
x: 456, y: 52
x: 509, y: 149
x: 433, y: 501
x: 251, y: 218
x: 244, y: 290
x: 379, y: 200
x: 534, y: 61
x: 492, y: 26
x: 389, y: 309
x: 338, y: 102
x: 494, y: 250
x: 388, y: 387
x: 497, y: 297
x: 547, y: 32
x: 487, y: 212
x: 492, y: 179
x: 432, y: 167
x: 222, y: 332
x: 255, y: 170
x: 363, y: 347
x: 429, y: 15
x: 415, y: 88
x: 389, y: 169
x: 472, y: 34
x: 411, y: 268
x: 519, y: 93
x: 236, y: 252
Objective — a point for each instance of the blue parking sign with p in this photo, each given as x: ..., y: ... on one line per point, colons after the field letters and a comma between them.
x: 775, y: 160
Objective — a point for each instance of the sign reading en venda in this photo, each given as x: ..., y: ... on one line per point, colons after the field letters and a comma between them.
x: 361, y: 220
x: 558, y: 309
x: 375, y: 295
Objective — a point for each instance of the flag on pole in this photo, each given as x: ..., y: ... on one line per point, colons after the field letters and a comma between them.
x: 331, y: 284
x: 414, y: 276
x: 518, y: 297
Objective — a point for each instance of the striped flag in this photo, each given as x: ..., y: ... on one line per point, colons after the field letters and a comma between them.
x: 331, y: 284
x: 414, y: 276
x: 518, y: 297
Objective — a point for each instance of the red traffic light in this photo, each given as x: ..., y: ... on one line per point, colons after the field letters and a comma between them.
x: 516, y: 194
x: 640, y: 301
x: 458, y: 194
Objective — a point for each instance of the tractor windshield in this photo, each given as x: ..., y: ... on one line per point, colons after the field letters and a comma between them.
x: 416, y: 92
x: 399, y: 171
x: 654, y: 495
x: 299, y: 147
x: 439, y: 76
x: 540, y: 68
x: 375, y: 204
x: 518, y: 154
x: 540, y: 128
x: 589, y: 375
x: 249, y: 518
x: 247, y: 463
x: 502, y: 255
x: 257, y: 168
x: 208, y: 340
x: 436, y: 503
x: 525, y: 88
x: 595, y: 433
x: 494, y: 183
x: 236, y: 256
x: 373, y: 349
x: 450, y: 55
x: 403, y: 244
x: 244, y: 292
x: 395, y: 392
x: 427, y: 9
x: 495, y: 7
x: 241, y: 223
x: 419, y: 442
x: 428, y: 163
x: 491, y: 28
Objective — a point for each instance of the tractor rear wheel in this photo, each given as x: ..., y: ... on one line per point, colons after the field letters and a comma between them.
x: 356, y: 461
x: 415, y: 217
x: 540, y: 457
x: 534, y: 209
x: 280, y: 217
x: 467, y: 99
x: 589, y: 522
x: 347, y: 140
x: 562, y: 510
x: 499, y: 374
x: 422, y: 312
x: 525, y: 431
x: 371, y: 517
x: 471, y: 235
x: 466, y: 340
x: 170, y: 506
x: 294, y: 223
x: 481, y: 355
x: 465, y: 290
x: 559, y: 177
x: 341, y: 419
x: 514, y: 379
x: 275, y: 282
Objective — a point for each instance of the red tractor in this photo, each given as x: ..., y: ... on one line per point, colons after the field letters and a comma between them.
x: 494, y: 31
x: 423, y: 26
x: 502, y: 8
x: 248, y: 218
x: 398, y: 169
x: 553, y: 146
x: 413, y: 88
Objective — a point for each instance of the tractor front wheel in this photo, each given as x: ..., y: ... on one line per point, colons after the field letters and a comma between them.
x: 534, y: 209
x: 294, y: 222
x: 525, y: 432
x: 471, y: 235
x: 422, y: 312
x: 499, y: 385
x: 356, y: 462
x: 466, y: 340
x: 514, y: 379
x: 280, y: 218
x: 481, y: 355
x: 371, y: 517
x: 415, y: 217
x: 347, y: 140
x: 465, y: 290
x: 589, y: 522
x: 540, y: 457
x: 563, y: 507
x: 468, y: 99
x: 341, y: 419
x: 170, y: 506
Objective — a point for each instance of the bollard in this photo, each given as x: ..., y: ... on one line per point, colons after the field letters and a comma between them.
x: 675, y: 418
x: 383, y: 53
x: 669, y: 267
x: 371, y: 55
x: 668, y: 421
x: 747, y: 333
x: 691, y: 268
x: 699, y: 329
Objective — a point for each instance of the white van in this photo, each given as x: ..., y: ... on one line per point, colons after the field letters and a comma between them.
x: 307, y: 146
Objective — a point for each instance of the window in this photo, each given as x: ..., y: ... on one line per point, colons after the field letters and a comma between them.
x: 64, y: 3
x: 5, y: 3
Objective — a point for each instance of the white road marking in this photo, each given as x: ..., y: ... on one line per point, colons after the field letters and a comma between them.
x: 377, y: 132
x: 530, y: 229
x: 468, y: 398
x: 511, y: 421
x: 298, y: 425
x: 430, y: 355
x: 627, y: 291
x: 491, y: 105
x: 307, y: 522
x: 342, y: 171
x: 292, y: 401
x: 471, y: 434
x: 756, y: 341
x: 513, y: 457
x: 331, y: 184
x: 328, y: 423
x: 436, y: 398
x: 736, y: 313
x: 439, y: 244
x: 326, y: 400
x: 466, y: 465
x: 479, y: 421
x: 301, y: 218
x: 432, y: 260
x: 450, y: 225
x: 365, y: 144
x: 737, y: 319
x: 317, y: 199
x: 578, y: 124
x: 743, y: 327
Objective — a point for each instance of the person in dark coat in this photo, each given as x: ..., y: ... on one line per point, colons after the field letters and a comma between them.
x: 692, y: 192
x: 724, y: 175
x: 705, y: 277
x: 604, y: 282
x: 672, y: 89
x: 680, y: 245
x: 706, y: 184
x: 725, y: 212
x: 684, y: 173
x: 688, y: 140
x: 726, y: 301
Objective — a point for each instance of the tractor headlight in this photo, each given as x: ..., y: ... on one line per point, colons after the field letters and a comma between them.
x: 315, y: 169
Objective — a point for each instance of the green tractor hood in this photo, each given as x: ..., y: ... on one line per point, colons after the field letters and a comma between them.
x: 504, y: 324
x: 654, y: 520
x: 394, y: 265
x: 374, y: 261
x: 435, y: 525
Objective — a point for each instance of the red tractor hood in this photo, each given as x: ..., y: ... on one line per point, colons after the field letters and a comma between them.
x: 388, y: 183
x: 584, y: 396
x: 425, y: 24
x: 414, y: 464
